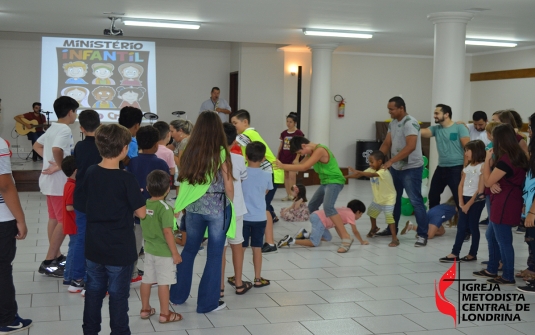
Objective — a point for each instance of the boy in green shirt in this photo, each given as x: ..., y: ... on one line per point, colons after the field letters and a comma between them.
x: 161, y: 254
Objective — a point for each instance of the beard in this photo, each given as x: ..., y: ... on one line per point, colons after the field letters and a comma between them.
x: 437, y: 120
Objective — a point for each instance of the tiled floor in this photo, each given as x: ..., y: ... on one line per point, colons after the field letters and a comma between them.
x: 372, y: 289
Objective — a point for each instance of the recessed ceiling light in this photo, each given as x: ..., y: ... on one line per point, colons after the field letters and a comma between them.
x: 337, y: 33
x: 130, y: 21
x: 491, y: 43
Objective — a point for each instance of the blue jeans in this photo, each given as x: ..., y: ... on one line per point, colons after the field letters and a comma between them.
x: 326, y: 194
x: 500, y: 239
x: 470, y: 221
x: 67, y: 274
x: 33, y: 138
x: 78, y: 261
x: 411, y: 181
x: 116, y: 281
x: 318, y: 230
x: 208, y: 297
x: 530, y: 240
x: 445, y: 176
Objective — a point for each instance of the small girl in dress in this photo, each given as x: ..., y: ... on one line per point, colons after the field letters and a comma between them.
x: 298, y: 211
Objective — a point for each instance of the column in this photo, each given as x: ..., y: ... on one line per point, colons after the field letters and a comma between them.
x: 448, y: 67
x: 320, y: 93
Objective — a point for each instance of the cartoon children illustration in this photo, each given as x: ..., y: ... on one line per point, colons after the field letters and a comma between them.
x: 104, y: 96
x: 130, y: 96
x: 131, y: 73
x: 78, y: 93
x: 103, y: 73
x: 75, y: 71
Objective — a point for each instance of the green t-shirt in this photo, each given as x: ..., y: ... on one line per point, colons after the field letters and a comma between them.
x: 329, y: 172
x: 450, y: 149
x: 159, y: 216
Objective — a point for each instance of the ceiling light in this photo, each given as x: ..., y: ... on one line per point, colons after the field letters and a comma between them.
x: 491, y: 43
x: 337, y: 33
x: 130, y: 21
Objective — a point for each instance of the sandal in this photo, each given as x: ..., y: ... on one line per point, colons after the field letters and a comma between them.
x: 528, y: 276
x: 408, y: 226
x: 246, y: 286
x: 171, y: 317
x: 150, y: 312
x: 523, y: 273
x: 346, y: 244
x: 222, y: 294
x: 373, y: 232
x: 275, y: 219
x: 394, y: 243
x: 263, y: 282
x: 232, y: 281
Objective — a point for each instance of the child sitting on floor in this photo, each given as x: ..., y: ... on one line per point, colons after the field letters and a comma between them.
x: 298, y: 211
x: 321, y: 225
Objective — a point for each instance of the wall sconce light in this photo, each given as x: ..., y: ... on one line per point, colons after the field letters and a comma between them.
x: 293, y: 70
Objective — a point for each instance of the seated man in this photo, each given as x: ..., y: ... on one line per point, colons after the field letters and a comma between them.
x: 321, y: 225
x: 33, y: 136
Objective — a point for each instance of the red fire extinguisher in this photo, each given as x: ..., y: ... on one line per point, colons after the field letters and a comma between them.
x: 341, y: 105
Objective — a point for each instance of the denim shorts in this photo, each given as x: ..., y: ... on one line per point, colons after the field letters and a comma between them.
x: 318, y: 230
x: 254, y: 230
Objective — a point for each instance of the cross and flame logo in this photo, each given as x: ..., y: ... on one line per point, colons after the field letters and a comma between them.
x: 443, y: 304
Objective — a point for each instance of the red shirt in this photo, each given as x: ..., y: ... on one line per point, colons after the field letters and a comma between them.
x: 506, y: 206
x: 40, y: 118
x: 285, y: 155
x: 69, y: 223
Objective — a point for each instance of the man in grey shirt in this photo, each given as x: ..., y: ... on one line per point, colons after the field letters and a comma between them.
x: 404, y: 145
x: 216, y: 104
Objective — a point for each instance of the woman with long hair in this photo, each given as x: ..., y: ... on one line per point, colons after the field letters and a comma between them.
x: 510, y: 165
x: 529, y: 212
x: 206, y: 193
x: 508, y: 117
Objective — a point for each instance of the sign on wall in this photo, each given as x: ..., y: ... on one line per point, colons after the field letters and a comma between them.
x: 101, y: 74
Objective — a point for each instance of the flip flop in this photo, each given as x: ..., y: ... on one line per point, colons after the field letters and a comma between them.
x: 150, y: 312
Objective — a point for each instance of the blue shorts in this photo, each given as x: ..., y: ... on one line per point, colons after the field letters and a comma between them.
x: 318, y: 230
x: 440, y: 214
x: 254, y: 230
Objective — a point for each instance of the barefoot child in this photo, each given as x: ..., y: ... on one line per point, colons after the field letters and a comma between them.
x: 161, y: 254
x: 321, y: 225
x: 298, y: 211
x: 437, y: 216
x: 384, y: 194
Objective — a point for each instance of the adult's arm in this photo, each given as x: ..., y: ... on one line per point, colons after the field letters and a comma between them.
x: 426, y: 132
x: 304, y: 165
x: 387, y: 144
x: 18, y: 119
x: 410, y: 146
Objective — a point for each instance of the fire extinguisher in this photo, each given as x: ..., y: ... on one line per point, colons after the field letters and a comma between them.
x: 341, y: 105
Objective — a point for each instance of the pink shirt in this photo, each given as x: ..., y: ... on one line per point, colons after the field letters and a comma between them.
x: 167, y: 155
x: 348, y: 217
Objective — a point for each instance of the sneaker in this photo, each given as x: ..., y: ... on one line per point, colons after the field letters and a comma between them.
x: 484, y: 222
x: 483, y: 274
x: 62, y: 260
x: 17, y: 325
x: 76, y: 286
x: 302, y: 234
x: 222, y: 305
x: 385, y: 232
x: 530, y: 288
x: 140, y: 272
x: 269, y: 249
x: 286, y: 241
x: 520, y: 230
x: 421, y: 242
x: 136, y: 279
x: 499, y: 280
x: 52, y: 270
x: 467, y: 237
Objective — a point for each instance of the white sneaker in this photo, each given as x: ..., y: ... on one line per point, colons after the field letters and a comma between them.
x: 221, y: 306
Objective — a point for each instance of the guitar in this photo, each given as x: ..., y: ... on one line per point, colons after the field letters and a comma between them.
x: 22, y: 130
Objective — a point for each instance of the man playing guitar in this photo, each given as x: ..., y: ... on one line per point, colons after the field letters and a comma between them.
x: 35, y: 115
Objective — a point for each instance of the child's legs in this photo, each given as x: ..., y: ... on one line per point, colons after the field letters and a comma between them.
x: 317, y: 232
x: 55, y: 226
x: 257, y: 236
x: 504, y: 236
x: 269, y: 229
x: 388, y: 210
x: 119, y: 291
x: 432, y: 232
x: 145, y: 296
x: 462, y: 224
x: 8, y: 249
x: 237, y: 253
x: 474, y: 214
x: 96, y: 287
x: 67, y: 274
x: 269, y: 198
x: 163, y: 296
x: 78, y: 261
x: 373, y: 212
x: 139, y: 240
x: 287, y: 182
x: 165, y: 275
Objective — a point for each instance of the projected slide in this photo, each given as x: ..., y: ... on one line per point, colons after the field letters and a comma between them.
x: 101, y: 74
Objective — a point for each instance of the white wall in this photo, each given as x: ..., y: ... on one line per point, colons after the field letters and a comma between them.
x: 186, y: 71
x: 261, y: 90
x: 494, y: 95
x: 293, y: 60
